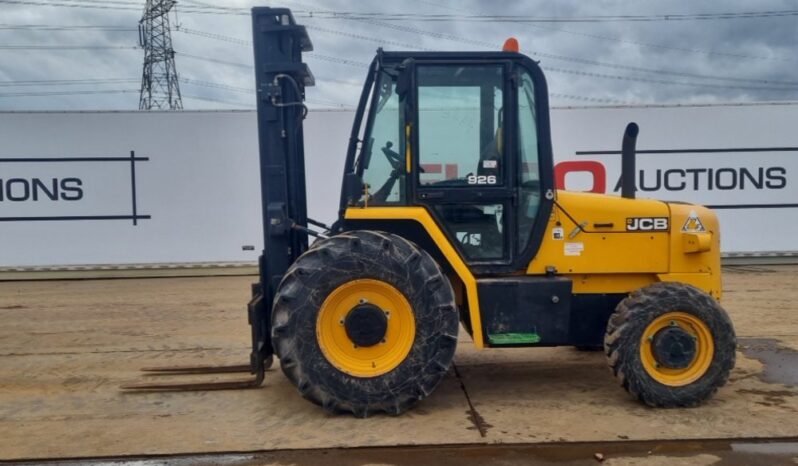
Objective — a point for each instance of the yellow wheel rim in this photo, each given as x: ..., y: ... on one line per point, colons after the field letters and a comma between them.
x: 704, y: 351
x: 374, y: 360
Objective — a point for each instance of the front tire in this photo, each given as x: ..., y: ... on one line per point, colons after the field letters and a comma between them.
x: 365, y: 322
x: 670, y: 345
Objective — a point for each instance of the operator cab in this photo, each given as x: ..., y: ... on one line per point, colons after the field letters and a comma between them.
x: 465, y: 135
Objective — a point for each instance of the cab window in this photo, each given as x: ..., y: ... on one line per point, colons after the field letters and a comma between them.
x: 529, y: 151
x: 460, y: 125
x: 382, y: 167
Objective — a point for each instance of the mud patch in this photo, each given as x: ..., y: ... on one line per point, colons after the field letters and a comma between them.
x: 781, y: 362
x: 773, y: 398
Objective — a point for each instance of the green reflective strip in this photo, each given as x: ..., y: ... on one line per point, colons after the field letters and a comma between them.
x: 514, y: 338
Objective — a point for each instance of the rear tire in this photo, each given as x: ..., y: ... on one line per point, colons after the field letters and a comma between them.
x: 313, y: 350
x: 633, y: 332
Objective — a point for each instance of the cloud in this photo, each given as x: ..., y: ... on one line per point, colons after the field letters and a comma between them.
x: 739, y: 60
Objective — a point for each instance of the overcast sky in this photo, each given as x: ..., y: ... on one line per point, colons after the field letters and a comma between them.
x: 586, y: 63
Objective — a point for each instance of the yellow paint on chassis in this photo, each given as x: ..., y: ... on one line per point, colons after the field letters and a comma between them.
x: 370, y: 361
x: 420, y: 215
x: 611, y: 260
x: 614, y: 260
x: 705, y: 349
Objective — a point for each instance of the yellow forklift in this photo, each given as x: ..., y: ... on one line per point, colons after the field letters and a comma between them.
x: 449, y: 216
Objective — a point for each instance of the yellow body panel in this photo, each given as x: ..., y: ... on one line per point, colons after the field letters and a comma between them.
x: 700, y: 267
x: 600, y: 249
x: 420, y: 215
x: 587, y: 240
x: 609, y: 259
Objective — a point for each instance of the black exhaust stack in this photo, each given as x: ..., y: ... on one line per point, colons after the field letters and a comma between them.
x: 628, y: 170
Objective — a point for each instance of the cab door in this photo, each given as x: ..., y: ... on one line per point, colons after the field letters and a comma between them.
x: 463, y: 171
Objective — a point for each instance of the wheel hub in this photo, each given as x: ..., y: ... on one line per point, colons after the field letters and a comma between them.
x: 366, y: 325
x: 674, y: 348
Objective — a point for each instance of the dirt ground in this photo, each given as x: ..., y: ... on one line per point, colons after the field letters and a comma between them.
x: 66, y: 346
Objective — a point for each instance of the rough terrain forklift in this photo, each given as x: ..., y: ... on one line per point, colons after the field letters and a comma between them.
x: 449, y: 216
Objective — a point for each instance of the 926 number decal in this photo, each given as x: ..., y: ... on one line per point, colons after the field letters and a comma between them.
x: 481, y: 179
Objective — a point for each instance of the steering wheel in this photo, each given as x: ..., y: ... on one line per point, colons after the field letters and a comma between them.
x: 393, y: 157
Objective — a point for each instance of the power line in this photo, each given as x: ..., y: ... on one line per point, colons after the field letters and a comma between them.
x: 47, y: 27
x: 217, y: 100
x: 586, y: 61
x: 683, y: 74
x: 580, y: 60
x: 369, y: 16
x: 327, y: 14
x: 766, y: 85
x: 660, y: 81
x: 215, y: 36
x: 341, y: 61
x: 378, y: 40
x: 425, y: 17
x: 55, y: 93
x: 249, y: 66
x: 196, y: 82
x: 216, y: 60
x: 243, y: 42
x: 586, y: 99
x: 548, y: 69
x: 65, y: 82
x: 595, y: 62
x: 68, y: 47
x: 627, y: 41
x: 71, y: 5
x: 251, y: 91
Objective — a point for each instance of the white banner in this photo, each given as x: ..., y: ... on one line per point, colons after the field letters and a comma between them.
x: 741, y: 160
x: 163, y: 187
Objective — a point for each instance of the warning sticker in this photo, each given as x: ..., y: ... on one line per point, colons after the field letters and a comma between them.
x: 574, y: 249
x: 693, y: 223
x: 490, y: 163
x: 557, y: 233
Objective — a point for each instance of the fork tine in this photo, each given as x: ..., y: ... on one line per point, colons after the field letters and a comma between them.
x: 169, y: 370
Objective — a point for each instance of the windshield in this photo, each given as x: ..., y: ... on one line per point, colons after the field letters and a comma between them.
x: 380, y: 164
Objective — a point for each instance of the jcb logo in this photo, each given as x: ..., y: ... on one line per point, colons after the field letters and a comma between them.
x: 647, y: 224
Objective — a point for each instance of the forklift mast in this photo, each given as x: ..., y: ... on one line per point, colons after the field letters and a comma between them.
x: 280, y: 78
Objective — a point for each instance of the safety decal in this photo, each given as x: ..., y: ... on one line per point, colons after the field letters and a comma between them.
x: 693, y: 223
x: 490, y: 163
x: 557, y: 233
x: 574, y: 249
